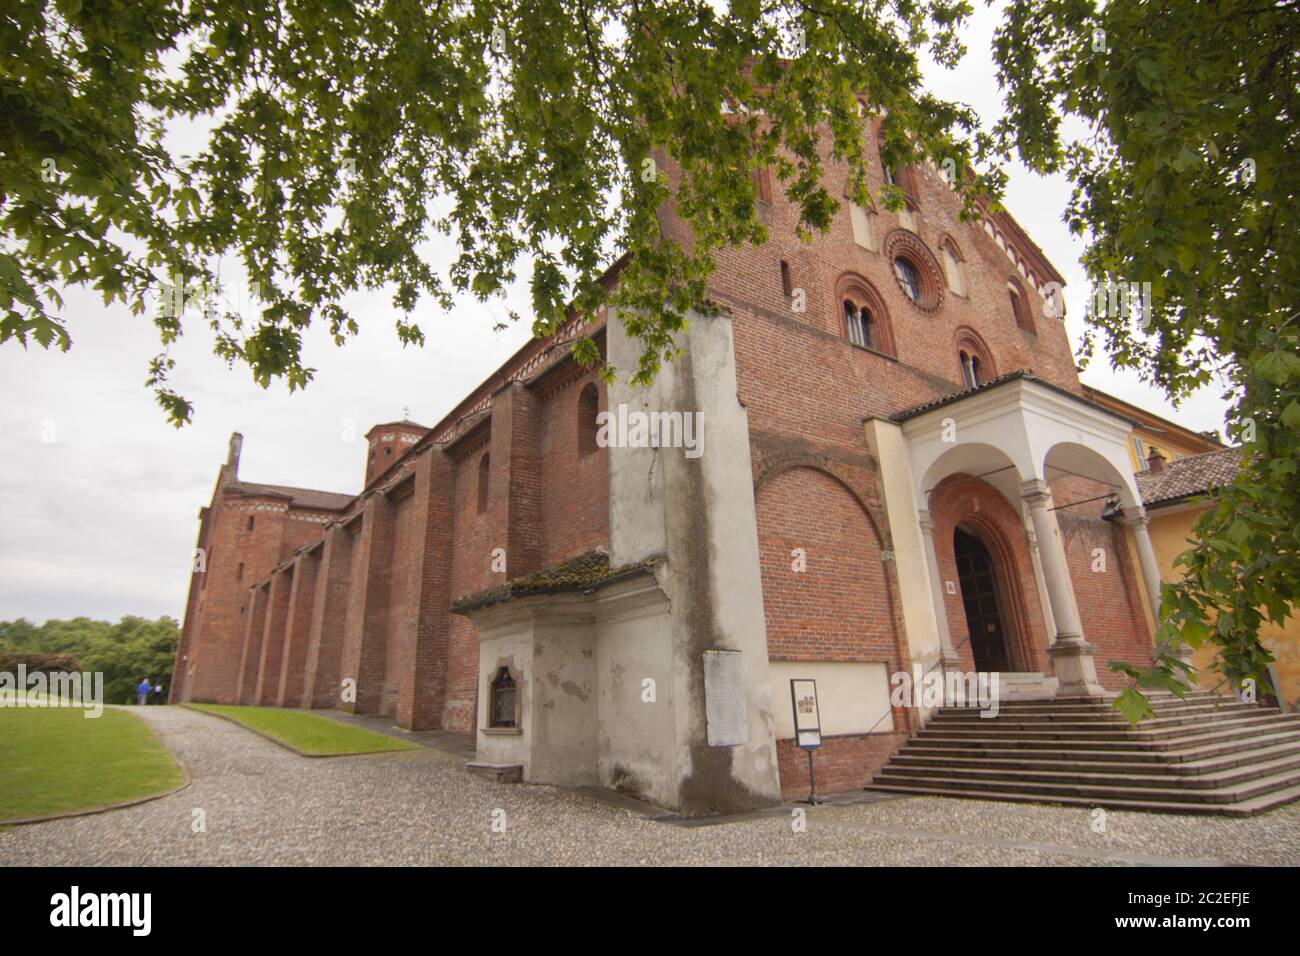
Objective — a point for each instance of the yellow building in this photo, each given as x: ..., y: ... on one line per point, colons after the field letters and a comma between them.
x: 1175, y: 466
x: 1153, y: 434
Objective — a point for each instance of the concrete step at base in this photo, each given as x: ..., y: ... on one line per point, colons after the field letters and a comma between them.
x: 1245, y: 808
x: 1092, y: 775
x: 1109, y: 752
x: 1224, y: 729
x: 1157, y: 702
x: 1163, y: 718
x: 1208, y: 765
x: 1100, y: 792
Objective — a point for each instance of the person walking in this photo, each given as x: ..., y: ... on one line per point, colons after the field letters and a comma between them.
x: 157, y: 694
x: 142, y: 692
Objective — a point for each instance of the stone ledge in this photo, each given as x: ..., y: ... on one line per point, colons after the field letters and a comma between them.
x: 497, y: 772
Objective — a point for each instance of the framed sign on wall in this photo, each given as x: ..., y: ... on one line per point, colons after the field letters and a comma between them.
x: 807, y: 717
x: 807, y: 726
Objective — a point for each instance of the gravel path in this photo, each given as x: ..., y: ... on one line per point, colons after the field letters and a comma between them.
x: 265, y: 805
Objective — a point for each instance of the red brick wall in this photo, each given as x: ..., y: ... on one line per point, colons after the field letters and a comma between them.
x: 1110, y: 602
x: 267, y: 685
x: 254, y: 630
x: 840, y: 763
x: 321, y: 685
x: 843, y: 607
x: 403, y: 596
x: 474, y: 537
x: 424, y: 655
x: 298, y: 633
x: 366, y: 638
x: 575, y: 487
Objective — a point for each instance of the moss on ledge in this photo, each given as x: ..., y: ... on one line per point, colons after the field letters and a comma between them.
x: 586, y: 572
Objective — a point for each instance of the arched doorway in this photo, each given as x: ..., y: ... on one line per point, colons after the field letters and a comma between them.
x: 977, y: 579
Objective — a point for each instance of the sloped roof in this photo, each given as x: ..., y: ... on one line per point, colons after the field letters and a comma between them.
x: 1016, y: 375
x: 585, y: 572
x: 299, y: 497
x: 1186, y: 477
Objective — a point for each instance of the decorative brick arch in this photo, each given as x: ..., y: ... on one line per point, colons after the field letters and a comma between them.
x: 840, y: 607
x: 771, y: 465
x: 967, y: 340
x: 904, y: 242
x: 856, y: 288
x: 1019, y: 304
x: 968, y: 502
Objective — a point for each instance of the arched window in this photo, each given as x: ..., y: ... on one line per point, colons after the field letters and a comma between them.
x: 860, y: 325
x: 483, y: 467
x: 503, y: 709
x: 866, y: 323
x: 588, y: 409
x: 1020, y: 306
x: 973, y: 359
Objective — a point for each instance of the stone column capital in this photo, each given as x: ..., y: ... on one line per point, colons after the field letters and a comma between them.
x: 926, y: 522
x: 1035, y: 492
x: 1135, y: 516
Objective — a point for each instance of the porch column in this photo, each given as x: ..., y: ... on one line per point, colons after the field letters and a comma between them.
x: 1071, y: 654
x: 947, y: 653
x: 1137, y: 521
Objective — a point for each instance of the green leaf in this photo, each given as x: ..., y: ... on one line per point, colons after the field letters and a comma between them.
x: 1133, y: 705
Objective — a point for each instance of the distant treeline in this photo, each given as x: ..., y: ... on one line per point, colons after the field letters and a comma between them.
x: 127, y: 652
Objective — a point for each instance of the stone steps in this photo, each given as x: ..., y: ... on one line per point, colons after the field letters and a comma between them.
x: 1206, y: 778
x: 1147, y: 729
x: 1119, y: 735
x: 1112, y: 751
x: 1202, y: 754
x: 1104, y: 761
x: 1164, y: 715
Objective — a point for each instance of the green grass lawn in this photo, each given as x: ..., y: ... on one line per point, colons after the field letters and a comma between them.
x: 308, y: 732
x: 54, y: 760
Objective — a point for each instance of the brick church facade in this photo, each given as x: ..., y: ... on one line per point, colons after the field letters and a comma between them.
x: 899, y: 468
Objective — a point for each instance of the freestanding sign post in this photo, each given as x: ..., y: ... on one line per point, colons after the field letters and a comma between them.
x: 807, y: 727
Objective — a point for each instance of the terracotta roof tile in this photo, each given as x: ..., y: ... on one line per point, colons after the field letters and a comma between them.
x: 300, y: 497
x: 1185, y: 477
x: 585, y: 572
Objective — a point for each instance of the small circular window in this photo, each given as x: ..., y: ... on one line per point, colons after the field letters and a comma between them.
x: 915, y: 269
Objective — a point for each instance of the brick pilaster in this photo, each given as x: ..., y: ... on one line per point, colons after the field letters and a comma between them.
x: 422, y: 688
x: 328, y: 620
x: 252, y: 652
x: 298, y: 629
x: 365, y: 640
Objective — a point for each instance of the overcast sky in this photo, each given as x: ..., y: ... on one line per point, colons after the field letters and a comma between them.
x: 99, y: 496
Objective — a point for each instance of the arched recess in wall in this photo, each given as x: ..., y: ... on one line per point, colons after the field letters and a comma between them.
x: 1020, y: 304
x: 588, y: 409
x: 484, y: 469
x: 803, y: 505
x: 864, y: 320
x: 953, y: 265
